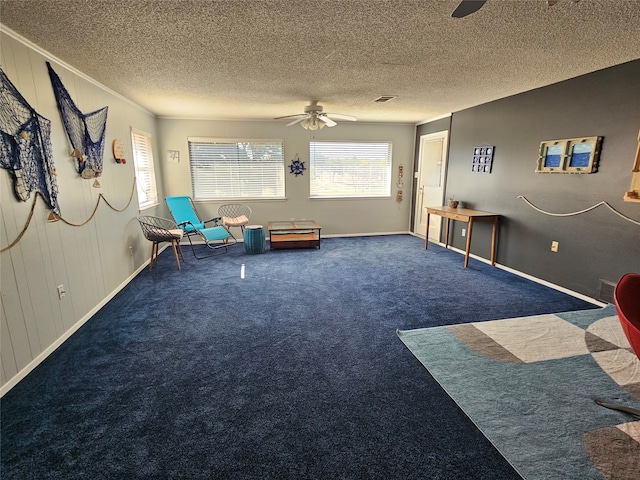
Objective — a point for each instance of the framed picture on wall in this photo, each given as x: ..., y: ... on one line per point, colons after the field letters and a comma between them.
x: 482, y: 159
x: 583, y: 155
x: 552, y: 155
x: 173, y: 156
x: 571, y: 155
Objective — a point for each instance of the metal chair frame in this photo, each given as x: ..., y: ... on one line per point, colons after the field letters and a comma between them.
x: 186, y: 216
x: 158, y: 230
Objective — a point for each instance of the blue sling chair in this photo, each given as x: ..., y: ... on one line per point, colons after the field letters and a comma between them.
x: 215, y: 237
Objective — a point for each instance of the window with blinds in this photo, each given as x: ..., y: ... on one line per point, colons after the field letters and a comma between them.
x: 145, y: 171
x: 350, y: 169
x: 236, y: 169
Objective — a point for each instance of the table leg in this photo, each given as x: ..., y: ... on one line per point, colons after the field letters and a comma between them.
x: 466, y: 253
x: 446, y: 234
x: 494, y: 235
x: 426, y: 235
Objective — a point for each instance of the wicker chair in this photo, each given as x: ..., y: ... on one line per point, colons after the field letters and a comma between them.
x: 158, y: 230
x: 234, y: 215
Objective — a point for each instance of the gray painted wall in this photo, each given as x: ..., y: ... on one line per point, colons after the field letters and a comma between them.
x: 594, y: 245
x: 336, y: 216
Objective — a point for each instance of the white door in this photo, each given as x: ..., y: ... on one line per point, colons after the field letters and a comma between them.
x: 432, y: 167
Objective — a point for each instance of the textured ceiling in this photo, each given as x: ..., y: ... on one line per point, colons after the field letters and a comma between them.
x: 240, y: 59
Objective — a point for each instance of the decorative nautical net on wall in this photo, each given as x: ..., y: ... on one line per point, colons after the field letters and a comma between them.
x: 25, y: 146
x: 86, y: 132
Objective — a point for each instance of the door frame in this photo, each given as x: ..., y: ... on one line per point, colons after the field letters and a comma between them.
x: 444, y: 136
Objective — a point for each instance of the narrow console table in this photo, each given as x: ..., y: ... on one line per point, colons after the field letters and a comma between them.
x: 470, y: 217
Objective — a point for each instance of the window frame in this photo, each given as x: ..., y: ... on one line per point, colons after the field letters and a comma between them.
x: 144, y: 165
x: 275, y: 172
x: 342, y: 195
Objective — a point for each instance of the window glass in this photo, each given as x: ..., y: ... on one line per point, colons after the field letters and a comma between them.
x: 350, y: 169
x: 144, y: 168
x: 236, y: 169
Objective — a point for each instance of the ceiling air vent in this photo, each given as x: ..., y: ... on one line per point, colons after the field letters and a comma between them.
x: 384, y: 98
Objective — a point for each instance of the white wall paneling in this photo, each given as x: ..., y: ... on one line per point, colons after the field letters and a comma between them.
x: 92, y: 260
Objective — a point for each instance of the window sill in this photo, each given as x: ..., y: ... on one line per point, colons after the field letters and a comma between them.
x: 385, y: 197
x: 240, y: 200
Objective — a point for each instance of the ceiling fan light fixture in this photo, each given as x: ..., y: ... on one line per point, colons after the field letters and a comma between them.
x: 314, y: 118
x: 312, y: 123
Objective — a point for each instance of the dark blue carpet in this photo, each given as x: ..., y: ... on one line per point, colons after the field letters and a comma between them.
x: 294, y: 372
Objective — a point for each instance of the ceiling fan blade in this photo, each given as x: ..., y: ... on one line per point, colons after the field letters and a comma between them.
x: 340, y: 116
x: 327, y: 120
x: 297, y: 120
x: 467, y: 7
x: 291, y: 116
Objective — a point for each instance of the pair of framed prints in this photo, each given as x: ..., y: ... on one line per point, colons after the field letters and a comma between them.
x: 571, y: 155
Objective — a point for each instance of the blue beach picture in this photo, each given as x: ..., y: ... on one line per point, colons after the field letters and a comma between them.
x: 581, y: 155
x: 553, y: 156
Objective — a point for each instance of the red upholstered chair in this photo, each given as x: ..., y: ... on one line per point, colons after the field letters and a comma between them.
x: 626, y: 297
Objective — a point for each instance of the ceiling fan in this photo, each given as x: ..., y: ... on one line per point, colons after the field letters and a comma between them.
x: 315, y: 118
x: 467, y: 7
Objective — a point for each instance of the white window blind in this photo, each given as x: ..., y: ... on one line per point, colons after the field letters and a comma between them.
x: 234, y: 169
x: 145, y: 172
x: 350, y: 169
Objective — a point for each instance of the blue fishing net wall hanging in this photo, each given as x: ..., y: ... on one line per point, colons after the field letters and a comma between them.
x: 25, y: 146
x: 86, y: 132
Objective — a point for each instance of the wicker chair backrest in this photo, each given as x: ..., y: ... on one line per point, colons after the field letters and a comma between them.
x: 158, y: 229
x: 234, y: 210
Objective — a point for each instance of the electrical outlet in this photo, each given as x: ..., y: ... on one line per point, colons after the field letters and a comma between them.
x: 61, y: 292
x: 554, y: 246
x: 464, y: 232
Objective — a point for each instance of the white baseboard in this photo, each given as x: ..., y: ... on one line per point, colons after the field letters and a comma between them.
x: 51, y: 348
x: 373, y: 234
x: 503, y: 267
x: 551, y: 285
x: 527, y: 276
